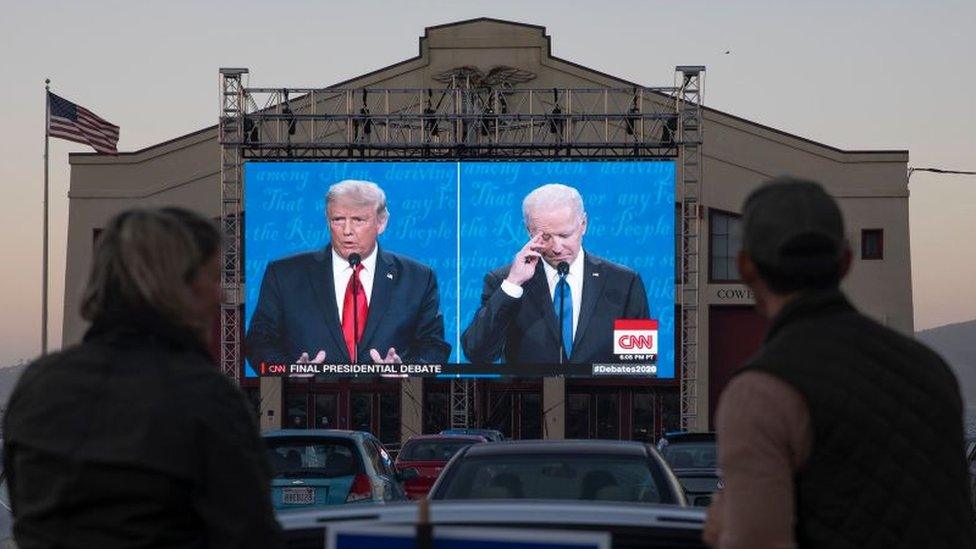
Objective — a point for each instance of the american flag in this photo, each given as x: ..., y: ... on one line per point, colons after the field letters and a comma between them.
x: 69, y: 121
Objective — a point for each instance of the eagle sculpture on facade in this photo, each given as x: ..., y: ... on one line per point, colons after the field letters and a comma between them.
x: 500, y: 76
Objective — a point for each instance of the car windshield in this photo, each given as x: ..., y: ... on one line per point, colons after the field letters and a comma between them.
x: 432, y: 450
x: 690, y: 455
x: 587, y: 477
x: 294, y: 458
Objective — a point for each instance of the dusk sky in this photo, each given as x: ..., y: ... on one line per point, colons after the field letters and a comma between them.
x: 854, y: 75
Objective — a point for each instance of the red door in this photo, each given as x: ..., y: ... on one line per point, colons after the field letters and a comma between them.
x: 734, y: 334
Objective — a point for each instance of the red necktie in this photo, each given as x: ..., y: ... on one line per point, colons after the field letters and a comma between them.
x: 361, y: 308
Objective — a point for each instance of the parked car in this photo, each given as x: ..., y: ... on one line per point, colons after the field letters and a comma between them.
x: 694, y: 459
x: 630, y: 526
x: 606, y: 470
x: 322, y: 467
x: 491, y: 434
x: 428, y: 454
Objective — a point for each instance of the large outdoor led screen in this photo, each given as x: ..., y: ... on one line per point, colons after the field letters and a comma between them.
x: 471, y: 268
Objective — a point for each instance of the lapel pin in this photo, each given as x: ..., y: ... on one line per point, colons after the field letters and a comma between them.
x: 596, y: 274
x: 389, y: 275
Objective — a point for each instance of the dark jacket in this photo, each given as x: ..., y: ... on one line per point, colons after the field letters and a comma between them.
x: 134, y: 439
x: 296, y: 312
x: 525, y: 330
x: 886, y: 468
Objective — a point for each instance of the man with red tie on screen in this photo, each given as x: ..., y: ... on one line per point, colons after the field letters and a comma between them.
x: 352, y: 302
x: 553, y: 292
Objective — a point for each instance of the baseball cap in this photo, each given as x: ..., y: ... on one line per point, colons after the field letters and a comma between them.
x: 793, y: 227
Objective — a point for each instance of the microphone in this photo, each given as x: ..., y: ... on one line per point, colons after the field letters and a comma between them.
x: 355, y: 259
x: 563, y: 270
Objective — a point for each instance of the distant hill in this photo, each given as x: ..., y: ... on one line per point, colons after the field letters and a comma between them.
x: 957, y: 344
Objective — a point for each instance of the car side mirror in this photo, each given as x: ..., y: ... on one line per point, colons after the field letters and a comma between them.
x: 404, y: 475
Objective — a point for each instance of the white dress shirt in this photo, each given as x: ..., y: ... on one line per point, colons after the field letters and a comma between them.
x: 574, y: 278
x: 341, y: 271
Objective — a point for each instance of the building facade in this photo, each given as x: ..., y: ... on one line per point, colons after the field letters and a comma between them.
x: 738, y: 155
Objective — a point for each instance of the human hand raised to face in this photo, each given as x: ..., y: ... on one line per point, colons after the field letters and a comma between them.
x: 523, y: 266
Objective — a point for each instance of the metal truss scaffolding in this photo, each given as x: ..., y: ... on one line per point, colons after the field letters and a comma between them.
x: 461, y: 402
x: 462, y: 119
x: 231, y: 128
x: 688, y: 107
x: 457, y: 122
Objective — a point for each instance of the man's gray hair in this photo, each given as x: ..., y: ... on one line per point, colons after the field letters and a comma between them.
x: 553, y: 195
x: 359, y: 193
x: 144, y: 264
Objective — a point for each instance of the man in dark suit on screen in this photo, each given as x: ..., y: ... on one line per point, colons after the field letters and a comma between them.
x: 352, y: 301
x: 553, y: 291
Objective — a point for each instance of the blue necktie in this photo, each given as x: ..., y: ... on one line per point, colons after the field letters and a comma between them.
x: 567, y: 310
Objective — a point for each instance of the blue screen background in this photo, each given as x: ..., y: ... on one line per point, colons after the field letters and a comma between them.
x: 630, y: 212
x: 630, y: 208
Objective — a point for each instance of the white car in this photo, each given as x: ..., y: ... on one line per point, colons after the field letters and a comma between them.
x: 630, y: 526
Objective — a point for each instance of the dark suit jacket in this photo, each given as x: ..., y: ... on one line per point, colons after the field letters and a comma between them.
x: 296, y: 312
x: 524, y: 330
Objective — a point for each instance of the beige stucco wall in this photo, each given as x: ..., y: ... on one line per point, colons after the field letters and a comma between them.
x: 738, y: 156
x: 871, y: 188
x: 184, y: 173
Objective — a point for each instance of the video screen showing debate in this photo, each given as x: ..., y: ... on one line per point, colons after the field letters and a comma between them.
x: 442, y: 268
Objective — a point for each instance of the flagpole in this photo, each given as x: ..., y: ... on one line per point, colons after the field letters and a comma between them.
x: 47, y: 123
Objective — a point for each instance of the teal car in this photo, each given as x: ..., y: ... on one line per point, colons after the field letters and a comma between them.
x: 323, y: 467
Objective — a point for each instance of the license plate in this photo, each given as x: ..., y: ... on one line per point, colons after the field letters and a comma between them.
x: 298, y: 496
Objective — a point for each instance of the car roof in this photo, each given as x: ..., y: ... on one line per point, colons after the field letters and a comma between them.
x: 475, y: 438
x: 312, y: 433
x: 682, y: 436
x: 572, y: 514
x: 470, y: 430
x: 520, y: 447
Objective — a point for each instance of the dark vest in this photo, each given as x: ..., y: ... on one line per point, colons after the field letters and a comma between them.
x: 887, y: 467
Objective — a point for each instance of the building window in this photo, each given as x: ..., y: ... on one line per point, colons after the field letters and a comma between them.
x: 642, y: 412
x: 517, y: 414
x: 389, y: 422
x: 361, y: 412
x: 724, y: 244
x: 872, y: 244
x: 326, y: 410
x: 437, y: 406
x: 670, y: 410
x: 593, y: 414
x: 296, y: 411
x: 578, y: 416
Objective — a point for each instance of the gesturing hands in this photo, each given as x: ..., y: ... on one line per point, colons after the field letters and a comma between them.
x: 391, y: 357
x: 319, y: 358
x: 523, y: 266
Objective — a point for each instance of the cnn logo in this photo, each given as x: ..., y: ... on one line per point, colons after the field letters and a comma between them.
x: 638, y: 342
x: 635, y: 336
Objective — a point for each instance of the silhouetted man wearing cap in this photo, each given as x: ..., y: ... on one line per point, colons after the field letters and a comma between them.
x: 839, y: 432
